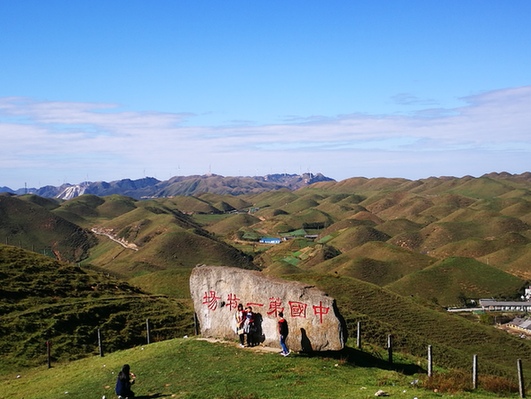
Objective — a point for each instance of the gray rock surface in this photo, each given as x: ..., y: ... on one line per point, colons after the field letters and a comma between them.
x: 313, y: 320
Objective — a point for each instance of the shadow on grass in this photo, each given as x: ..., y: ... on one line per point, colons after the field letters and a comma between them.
x: 154, y: 395
x: 358, y: 358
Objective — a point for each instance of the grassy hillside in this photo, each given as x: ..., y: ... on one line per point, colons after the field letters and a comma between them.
x: 461, y: 278
x: 431, y: 219
x: 375, y: 262
x: 415, y: 324
x: 193, y: 369
x: 166, y: 245
x: 230, y: 224
x: 41, y: 300
x: 31, y: 224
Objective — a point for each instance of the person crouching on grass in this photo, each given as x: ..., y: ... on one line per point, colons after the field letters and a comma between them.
x: 123, y: 383
x: 283, y: 332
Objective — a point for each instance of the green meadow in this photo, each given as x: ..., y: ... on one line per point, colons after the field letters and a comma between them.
x: 192, y: 369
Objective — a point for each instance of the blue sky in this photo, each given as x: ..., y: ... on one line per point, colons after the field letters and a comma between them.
x: 105, y: 90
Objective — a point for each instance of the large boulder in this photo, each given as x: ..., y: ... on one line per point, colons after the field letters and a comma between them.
x: 313, y: 319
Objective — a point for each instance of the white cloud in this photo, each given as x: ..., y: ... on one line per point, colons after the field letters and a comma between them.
x: 411, y: 99
x: 50, y: 141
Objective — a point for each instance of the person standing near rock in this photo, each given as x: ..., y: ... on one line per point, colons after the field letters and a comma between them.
x: 240, y: 321
x: 283, y: 332
x: 248, y: 325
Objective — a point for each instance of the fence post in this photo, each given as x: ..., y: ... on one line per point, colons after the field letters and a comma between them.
x: 100, y: 343
x: 358, y: 337
x: 390, y: 347
x: 520, y: 378
x: 147, y: 331
x: 48, y: 353
x: 430, y: 361
x: 475, y: 372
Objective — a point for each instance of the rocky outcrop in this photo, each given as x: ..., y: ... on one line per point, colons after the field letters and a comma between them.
x: 313, y: 319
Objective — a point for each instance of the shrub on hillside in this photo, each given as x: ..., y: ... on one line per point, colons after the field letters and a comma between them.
x: 458, y: 381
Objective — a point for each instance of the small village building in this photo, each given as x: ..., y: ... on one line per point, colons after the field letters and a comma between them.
x: 269, y: 240
x: 505, y: 306
x: 520, y: 325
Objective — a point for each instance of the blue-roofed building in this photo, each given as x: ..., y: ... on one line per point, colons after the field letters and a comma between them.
x: 270, y: 240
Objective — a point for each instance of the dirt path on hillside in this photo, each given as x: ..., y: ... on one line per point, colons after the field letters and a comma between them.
x: 120, y: 241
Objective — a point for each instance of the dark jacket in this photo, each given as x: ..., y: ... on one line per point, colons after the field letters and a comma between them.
x: 123, y: 385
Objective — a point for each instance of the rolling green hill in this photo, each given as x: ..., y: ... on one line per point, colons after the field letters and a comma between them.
x: 460, y: 278
x: 415, y: 324
x: 166, y: 245
x: 375, y: 262
x: 28, y: 223
x: 43, y: 300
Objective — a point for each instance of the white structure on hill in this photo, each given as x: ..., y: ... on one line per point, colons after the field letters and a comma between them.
x: 492, y: 305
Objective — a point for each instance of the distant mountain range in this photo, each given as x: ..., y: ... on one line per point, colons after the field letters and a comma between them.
x: 150, y: 187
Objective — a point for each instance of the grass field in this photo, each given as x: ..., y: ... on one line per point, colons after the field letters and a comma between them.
x: 191, y: 368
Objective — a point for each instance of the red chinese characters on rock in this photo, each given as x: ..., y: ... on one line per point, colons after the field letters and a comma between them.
x: 211, y: 300
x: 297, y: 309
x: 275, y: 306
x: 232, y: 301
x: 320, y: 311
x: 254, y: 304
